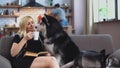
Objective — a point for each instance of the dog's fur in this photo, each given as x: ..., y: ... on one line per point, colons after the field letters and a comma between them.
x: 113, y: 60
x: 60, y: 45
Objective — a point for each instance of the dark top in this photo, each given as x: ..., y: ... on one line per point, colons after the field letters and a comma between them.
x: 21, y: 61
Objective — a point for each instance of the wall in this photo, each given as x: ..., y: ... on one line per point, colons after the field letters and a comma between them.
x: 109, y: 27
x: 79, y: 8
x: 33, y: 12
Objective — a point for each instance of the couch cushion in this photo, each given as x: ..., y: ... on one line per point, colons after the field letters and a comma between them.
x: 5, y: 45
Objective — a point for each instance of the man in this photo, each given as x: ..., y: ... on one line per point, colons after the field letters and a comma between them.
x: 59, y: 14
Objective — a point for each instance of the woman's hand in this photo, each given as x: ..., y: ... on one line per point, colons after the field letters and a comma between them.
x: 29, y: 36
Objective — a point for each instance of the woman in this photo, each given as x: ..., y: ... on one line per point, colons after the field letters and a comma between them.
x: 23, y: 42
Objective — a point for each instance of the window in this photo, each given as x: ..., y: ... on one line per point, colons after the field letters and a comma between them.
x: 105, y: 10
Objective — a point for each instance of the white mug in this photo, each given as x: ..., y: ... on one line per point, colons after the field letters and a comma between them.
x: 36, y: 35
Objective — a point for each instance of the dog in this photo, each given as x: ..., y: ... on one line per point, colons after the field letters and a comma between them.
x: 67, y: 53
x: 113, y: 60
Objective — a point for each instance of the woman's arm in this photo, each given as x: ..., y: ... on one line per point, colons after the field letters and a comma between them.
x: 16, y: 47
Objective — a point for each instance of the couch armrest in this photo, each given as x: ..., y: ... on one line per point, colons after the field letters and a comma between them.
x: 4, y: 63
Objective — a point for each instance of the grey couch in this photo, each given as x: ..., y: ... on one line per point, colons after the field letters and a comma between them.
x: 84, y: 42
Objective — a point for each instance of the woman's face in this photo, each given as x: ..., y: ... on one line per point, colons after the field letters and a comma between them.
x: 30, y: 25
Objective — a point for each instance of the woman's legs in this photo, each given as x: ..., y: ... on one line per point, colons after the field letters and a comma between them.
x: 44, y: 62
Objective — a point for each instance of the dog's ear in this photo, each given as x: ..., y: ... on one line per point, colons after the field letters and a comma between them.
x: 103, y: 58
x: 45, y: 20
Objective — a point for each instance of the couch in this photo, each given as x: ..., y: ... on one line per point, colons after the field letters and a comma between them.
x: 85, y: 42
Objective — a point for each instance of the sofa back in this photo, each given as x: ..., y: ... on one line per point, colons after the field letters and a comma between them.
x: 84, y: 42
x: 5, y: 45
x: 96, y: 42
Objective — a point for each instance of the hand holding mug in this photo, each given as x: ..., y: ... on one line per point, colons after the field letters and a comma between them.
x: 29, y: 36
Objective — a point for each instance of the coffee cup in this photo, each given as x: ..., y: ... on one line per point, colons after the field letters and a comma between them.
x: 36, y: 35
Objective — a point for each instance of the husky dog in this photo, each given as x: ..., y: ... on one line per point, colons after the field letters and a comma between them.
x: 113, y: 60
x: 60, y: 45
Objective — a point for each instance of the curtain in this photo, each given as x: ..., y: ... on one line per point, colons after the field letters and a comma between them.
x: 90, y: 16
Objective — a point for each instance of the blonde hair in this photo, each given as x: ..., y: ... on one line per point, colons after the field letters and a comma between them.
x: 23, y: 25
